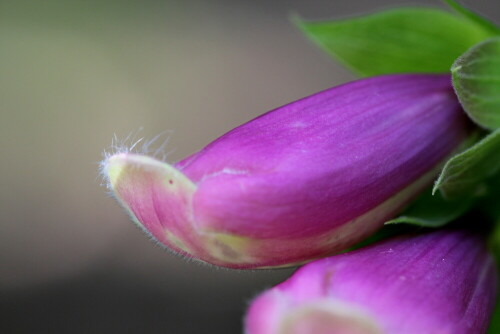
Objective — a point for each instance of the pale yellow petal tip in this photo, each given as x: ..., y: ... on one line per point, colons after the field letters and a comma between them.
x: 326, y: 317
x: 117, y: 165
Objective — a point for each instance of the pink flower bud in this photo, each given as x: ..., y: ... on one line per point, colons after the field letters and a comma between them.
x: 300, y: 182
x: 439, y: 283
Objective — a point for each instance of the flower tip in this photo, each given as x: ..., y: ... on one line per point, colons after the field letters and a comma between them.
x: 319, y: 317
x: 156, y: 195
x: 328, y: 318
x: 123, y: 167
x: 112, y: 167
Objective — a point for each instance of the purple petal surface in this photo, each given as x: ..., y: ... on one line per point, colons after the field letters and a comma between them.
x: 438, y: 283
x: 300, y: 182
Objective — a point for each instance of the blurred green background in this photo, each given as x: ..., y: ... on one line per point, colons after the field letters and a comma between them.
x: 73, y: 73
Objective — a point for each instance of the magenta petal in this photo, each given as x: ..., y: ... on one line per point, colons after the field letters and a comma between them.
x: 441, y: 282
x: 303, y: 181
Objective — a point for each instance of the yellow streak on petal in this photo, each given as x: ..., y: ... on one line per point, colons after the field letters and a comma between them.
x: 229, y: 248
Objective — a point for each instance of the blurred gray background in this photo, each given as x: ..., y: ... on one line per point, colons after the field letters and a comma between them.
x: 72, y: 74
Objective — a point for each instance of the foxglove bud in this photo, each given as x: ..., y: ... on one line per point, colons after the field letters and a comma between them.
x: 440, y: 283
x: 300, y: 182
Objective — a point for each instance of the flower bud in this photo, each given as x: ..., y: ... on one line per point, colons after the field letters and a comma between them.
x: 441, y: 283
x: 300, y: 182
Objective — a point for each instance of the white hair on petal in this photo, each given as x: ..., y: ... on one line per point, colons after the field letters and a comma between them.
x: 133, y: 143
x: 155, y: 147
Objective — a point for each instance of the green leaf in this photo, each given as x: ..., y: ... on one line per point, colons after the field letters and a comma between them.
x: 476, y: 78
x: 396, y: 41
x: 474, y: 17
x: 433, y: 210
x: 463, y: 175
x: 490, y: 203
